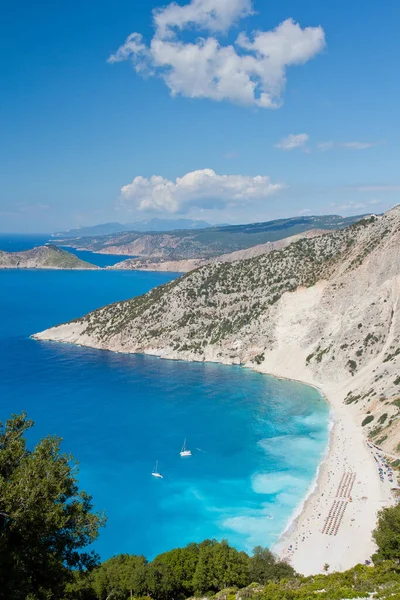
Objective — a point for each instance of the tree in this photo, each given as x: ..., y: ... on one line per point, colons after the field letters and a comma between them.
x: 170, y: 575
x: 264, y: 567
x: 219, y: 567
x: 119, y: 577
x: 80, y: 587
x: 387, y: 534
x: 45, y: 521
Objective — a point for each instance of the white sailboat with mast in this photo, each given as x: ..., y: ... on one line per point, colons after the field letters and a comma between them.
x: 156, y: 473
x: 184, y: 451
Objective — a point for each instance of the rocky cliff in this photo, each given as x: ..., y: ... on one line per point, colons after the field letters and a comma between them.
x: 323, y: 310
x: 42, y: 257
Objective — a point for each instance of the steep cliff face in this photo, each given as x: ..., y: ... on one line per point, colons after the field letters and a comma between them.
x: 324, y: 310
x: 42, y: 257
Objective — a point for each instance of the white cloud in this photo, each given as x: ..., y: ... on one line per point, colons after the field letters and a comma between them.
x: 249, y: 72
x: 212, y: 15
x: 351, y: 145
x: 202, y: 189
x: 293, y: 141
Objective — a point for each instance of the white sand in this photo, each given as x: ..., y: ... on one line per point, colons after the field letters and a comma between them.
x: 348, y: 452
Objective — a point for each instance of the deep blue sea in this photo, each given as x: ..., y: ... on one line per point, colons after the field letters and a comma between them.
x: 18, y: 243
x: 256, y: 441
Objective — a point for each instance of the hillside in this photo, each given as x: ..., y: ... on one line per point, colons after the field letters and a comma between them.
x: 324, y: 310
x: 154, y: 224
x: 184, y: 266
x: 205, y: 243
x: 42, y: 257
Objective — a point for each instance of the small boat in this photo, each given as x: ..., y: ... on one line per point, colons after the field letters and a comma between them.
x: 156, y: 473
x: 185, y: 452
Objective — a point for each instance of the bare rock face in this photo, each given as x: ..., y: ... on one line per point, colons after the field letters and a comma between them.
x: 42, y: 257
x: 324, y: 310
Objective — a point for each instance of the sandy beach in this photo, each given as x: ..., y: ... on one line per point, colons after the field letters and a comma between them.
x: 337, y: 518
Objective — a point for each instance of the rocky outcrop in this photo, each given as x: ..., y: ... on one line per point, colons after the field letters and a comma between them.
x: 42, y: 257
x: 324, y: 310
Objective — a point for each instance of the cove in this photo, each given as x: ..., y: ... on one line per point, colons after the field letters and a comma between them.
x: 256, y: 440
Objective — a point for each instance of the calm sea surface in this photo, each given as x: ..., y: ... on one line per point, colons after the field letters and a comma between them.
x: 256, y: 441
x: 18, y: 243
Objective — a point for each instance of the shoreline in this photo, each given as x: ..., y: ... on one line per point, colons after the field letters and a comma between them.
x: 302, y: 542
x: 312, y: 489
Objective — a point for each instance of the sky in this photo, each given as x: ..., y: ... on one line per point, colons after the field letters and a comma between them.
x: 230, y: 111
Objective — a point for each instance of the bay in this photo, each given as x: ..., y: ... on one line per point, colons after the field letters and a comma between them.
x: 256, y: 441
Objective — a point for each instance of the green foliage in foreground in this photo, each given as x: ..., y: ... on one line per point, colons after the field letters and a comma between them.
x: 204, y: 568
x: 45, y: 521
x: 380, y: 582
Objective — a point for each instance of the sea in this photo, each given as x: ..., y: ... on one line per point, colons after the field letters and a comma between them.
x: 256, y: 441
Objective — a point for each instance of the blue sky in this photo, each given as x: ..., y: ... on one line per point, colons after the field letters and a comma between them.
x: 78, y: 127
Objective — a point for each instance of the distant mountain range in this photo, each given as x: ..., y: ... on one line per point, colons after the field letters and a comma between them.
x: 140, y: 226
x: 207, y: 243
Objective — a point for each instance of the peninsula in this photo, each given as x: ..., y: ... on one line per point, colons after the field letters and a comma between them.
x: 42, y: 257
x: 323, y: 310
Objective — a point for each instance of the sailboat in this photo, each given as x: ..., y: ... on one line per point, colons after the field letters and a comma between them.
x: 156, y: 473
x: 185, y: 452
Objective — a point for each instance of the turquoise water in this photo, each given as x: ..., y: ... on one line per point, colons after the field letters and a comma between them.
x: 256, y: 441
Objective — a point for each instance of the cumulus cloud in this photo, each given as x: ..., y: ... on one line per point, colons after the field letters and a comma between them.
x: 251, y: 72
x: 211, y: 15
x: 202, y: 189
x: 323, y: 146
x: 293, y: 141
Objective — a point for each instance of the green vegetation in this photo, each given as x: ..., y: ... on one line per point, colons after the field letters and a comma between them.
x: 367, y: 420
x: 387, y: 534
x: 350, y: 398
x: 45, y: 521
x: 392, y: 355
x: 352, y: 366
x: 259, y: 358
